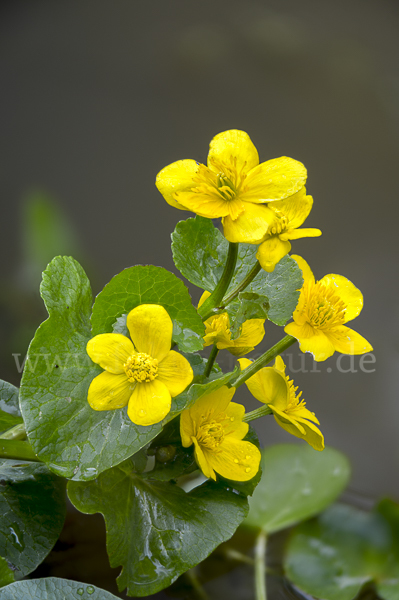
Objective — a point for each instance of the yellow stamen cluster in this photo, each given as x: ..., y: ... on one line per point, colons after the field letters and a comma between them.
x: 210, y: 434
x: 278, y: 226
x: 295, y: 403
x: 322, y: 307
x: 141, y: 368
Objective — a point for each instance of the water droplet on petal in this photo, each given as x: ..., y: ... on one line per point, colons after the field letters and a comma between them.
x: 236, y: 460
x: 231, y: 418
x: 247, y: 457
x: 247, y: 470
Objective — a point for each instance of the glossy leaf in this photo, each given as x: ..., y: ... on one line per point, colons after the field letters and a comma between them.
x: 248, y: 306
x: 200, y: 253
x: 10, y: 414
x: 335, y: 555
x: 32, y: 513
x: 74, y: 440
x: 6, y: 574
x: 53, y: 588
x: 155, y: 530
x: 297, y: 482
x: 149, y: 285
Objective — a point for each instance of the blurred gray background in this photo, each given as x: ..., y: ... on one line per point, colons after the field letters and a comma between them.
x: 97, y: 97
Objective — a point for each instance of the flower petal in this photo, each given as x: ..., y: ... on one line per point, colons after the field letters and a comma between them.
x: 236, y: 428
x: 274, y: 179
x: 250, y: 227
x: 252, y: 333
x: 304, y: 413
x: 299, y: 330
x: 202, y: 461
x: 303, y: 265
x: 187, y: 428
x: 230, y: 145
x: 110, y: 351
x: 268, y: 385
x: 312, y: 436
x: 214, y: 404
x: 318, y: 344
x: 210, y: 204
x: 297, y: 234
x: 237, y: 460
x: 296, y: 208
x: 149, y: 403
x: 347, y: 341
x: 108, y: 391
x: 271, y: 251
x: 151, y: 329
x: 347, y: 292
x: 175, y: 372
x: 176, y: 177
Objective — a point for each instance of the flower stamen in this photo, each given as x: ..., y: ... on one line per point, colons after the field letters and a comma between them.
x: 141, y: 368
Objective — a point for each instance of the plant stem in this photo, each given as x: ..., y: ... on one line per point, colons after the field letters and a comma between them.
x: 199, y: 590
x: 260, y: 362
x: 17, y: 449
x: 244, y: 283
x: 206, y: 310
x: 15, y: 433
x: 211, y: 360
x: 257, y: 413
x: 260, y: 570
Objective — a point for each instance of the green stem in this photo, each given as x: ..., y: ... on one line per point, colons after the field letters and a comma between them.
x: 232, y: 554
x: 260, y: 569
x: 211, y: 360
x: 206, y: 309
x: 260, y: 362
x: 17, y: 450
x: 15, y: 433
x: 241, y: 286
x: 257, y: 413
x: 199, y: 590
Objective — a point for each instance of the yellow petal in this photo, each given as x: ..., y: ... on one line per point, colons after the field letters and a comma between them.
x: 282, y: 416
x: 250, y: 227
x: 213, y: 404
x: 319, y: 345
x: 271, y: 252
x: 274, y: 179
x: 303, y: 265
x: 187, y: 428
x: 230, y: 146
x: 347, y: 292
x: 297, y: 234
x: 175, y: 372
x: 202, y: 461
x: 108, y: 391
x: 204, y: 296
x: 347, y: 341
x: 279, y: 364
x: 210, y: 204
x: 296, y: 208
x: 110, y: 351
x: 252, y: 333
x: 268, y: 386
x: 149, y: 403
x: 235, y: 427
x: 299, y: 331
x: 304, y: 413
x: 174, y: 178
x: 237, y: 460
x: 312, y: 436
x: 151, y: 330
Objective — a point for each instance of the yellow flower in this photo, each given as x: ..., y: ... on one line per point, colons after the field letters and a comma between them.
x: 217, y: 331
x: 233, y: 185
x: 323, y: 308
x: 145, y: 374
x: 289, y: 215
x: 214, y: 425
x: 271, y: 386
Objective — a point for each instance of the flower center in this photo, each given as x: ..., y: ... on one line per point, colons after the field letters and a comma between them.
x: 210, y: 434
x: 226, y: 187
x: 295, y: 402
x: 324, y: 309
x: 141, y: 367
x: 279, y: 225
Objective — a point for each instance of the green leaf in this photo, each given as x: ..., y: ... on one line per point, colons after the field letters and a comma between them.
x: 32, y: 509
x: 335, y: 555
x: 150, y: 285
x: 74, y: 440
x: 10, y: 414
x: 297, y: 482
x: 6, y: 574
x: 53, y: 588
x: 155, y: 530
x: 249, y: 306
x: 200, y: 253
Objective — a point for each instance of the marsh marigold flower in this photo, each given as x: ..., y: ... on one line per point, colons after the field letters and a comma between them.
x: 144, y: 373
x: 217, y: 331
x: 289, y: 216
x: 214, y: 425
x: 323, y: 308
x: 233, y: 185
x: 271, y: 386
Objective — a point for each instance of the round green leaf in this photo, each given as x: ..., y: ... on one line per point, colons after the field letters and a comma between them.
x: 150, y: 285
x: 32, y: 509
x: 335, y: 555
x: 52, y: 588
x: 297, y: 482
x: 74, y: 440
x: 155, y: 530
